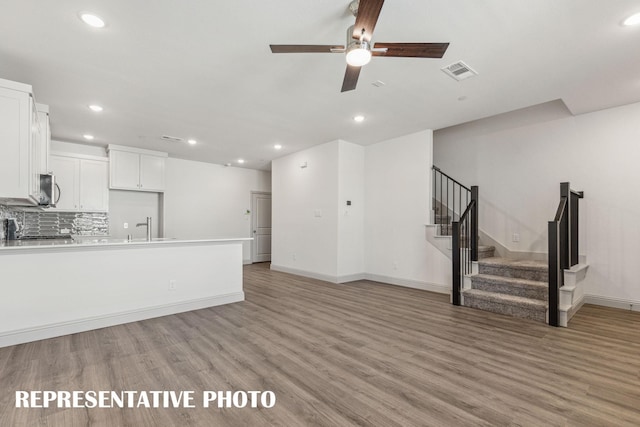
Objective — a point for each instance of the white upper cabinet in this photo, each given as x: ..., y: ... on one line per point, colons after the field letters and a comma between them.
x: 124, y: 170
x: 83, y: 182
x: 151, y: 173
x: 20, y: 144
x: 136, y: 169
x: 94, y: 185
x: 66, y: 170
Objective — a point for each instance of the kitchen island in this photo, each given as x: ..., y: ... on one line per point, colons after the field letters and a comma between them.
x: 58, y: 287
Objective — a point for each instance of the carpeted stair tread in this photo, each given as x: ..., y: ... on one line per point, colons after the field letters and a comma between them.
x: 511, y: 286
x: 523, y: 269
x: 512, y: 299
x: 517, y: 263
x: 510, y: 305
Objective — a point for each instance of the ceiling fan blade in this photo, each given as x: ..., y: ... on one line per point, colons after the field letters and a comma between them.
x: 411, y: 50
x: 305, y: 48
x: 350, y: 78
x: 368, y: 13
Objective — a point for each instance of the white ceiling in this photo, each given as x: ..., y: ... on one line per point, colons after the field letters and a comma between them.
x: 203, y: 69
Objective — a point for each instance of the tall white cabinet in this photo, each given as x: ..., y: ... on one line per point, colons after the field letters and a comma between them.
x: 20, y: 138
x: 136, y: 169
x: 83, y: 182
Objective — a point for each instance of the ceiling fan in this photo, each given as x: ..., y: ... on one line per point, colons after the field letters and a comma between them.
x: 359, y: 47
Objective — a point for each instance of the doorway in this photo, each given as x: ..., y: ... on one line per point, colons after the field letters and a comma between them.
x: 261, y: 226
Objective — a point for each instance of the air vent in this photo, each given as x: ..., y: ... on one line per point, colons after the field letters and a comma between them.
x: 171, y: 138
x: 459, y: 71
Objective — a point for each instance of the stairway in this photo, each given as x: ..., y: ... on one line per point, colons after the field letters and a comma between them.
x: 517, y: 288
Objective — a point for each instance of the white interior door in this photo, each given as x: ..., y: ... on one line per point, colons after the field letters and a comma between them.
x: 261, y: 223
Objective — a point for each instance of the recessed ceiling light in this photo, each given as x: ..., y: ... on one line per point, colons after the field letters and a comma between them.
x: 358, y: 119
x: 241, y: 161
x: 192, y: 141
x: 632, y: 20
x: 92, y: 20
x: 88, y: 137
x: 277, y: 147
x: 95, y: 108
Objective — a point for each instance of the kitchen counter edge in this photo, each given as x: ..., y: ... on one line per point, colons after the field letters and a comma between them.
x: 99, y: 244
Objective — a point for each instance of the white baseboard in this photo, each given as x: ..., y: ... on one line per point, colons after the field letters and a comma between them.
x: 320, y: 276
x: 351, y: 278
x: 409, y: 283
x: 98, y: 322
x: 624, y: 304
x: 247, y: 261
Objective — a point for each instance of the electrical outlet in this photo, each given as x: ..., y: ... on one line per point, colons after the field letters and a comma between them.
x: 126, y: 225
x: 172, y: 285
x: 395, y: 265
x: 515, y: 237
x: 293, y: 257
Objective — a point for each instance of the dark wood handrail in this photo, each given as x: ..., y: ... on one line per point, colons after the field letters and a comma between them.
x: 435, y: 168
x: 561, y: 208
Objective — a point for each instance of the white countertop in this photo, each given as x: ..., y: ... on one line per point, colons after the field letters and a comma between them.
x: 104, y: 242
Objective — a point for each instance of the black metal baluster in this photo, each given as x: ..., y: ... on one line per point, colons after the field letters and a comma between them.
x: 474, y: 223
x: 455, y: 258
x: 448, y: 204
x: 440, y: 220
x: 433, y: 193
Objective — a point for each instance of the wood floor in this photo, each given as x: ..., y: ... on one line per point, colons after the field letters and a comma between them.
x: 356, y: 354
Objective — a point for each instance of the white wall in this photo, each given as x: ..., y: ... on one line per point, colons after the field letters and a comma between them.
x: 518, y: 160
x: 381, y: 236
x: 204, y: 200
x: 305, y: 211
x: 133, y: 207
x: 351, y: 185
x: 72, y: 147
x: 397, y: 193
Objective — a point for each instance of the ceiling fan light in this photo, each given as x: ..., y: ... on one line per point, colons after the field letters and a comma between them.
x: 632, y: 20
x: 359, y: 56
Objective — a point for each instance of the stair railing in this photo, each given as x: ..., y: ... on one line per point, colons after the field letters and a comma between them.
x: 450, y: 198
x: 464, y: 246
x: 563, y: 245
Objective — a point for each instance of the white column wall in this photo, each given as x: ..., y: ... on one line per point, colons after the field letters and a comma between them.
x: 397, y: 193
x: 304, y: 212
x: 381, y: 236
x: 351, y: 185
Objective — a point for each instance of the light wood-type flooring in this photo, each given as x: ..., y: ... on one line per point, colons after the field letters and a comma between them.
x: 362, y: 353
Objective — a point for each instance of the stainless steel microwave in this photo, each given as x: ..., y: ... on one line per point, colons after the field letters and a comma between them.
x: 48, y: 197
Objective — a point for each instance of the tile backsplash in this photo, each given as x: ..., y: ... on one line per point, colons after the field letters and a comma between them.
x: 46, y: 223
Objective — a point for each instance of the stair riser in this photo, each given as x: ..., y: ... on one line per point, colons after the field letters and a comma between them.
x: 539, y: 315
x: 533, y: 292
x: 538, y: 275
x: 488, y: 253
x: 443, y: 219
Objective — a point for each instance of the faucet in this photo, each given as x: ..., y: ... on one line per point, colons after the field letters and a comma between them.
x: 148, y: 225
